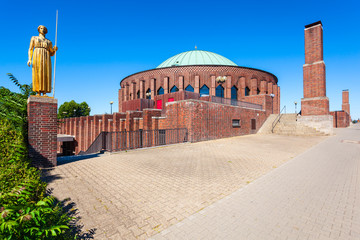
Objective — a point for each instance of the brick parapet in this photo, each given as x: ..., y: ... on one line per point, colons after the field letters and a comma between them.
x: 42, y: 131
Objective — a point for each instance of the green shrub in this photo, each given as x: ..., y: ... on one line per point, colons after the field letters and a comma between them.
x: 26, y: 212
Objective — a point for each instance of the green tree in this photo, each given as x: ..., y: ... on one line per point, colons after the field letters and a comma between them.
x: 13, y: 105
x: 73, y: 109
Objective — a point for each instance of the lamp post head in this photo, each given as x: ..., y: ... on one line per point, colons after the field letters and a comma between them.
x: 221, y: 79
x: 272, y: 95
x: 111, y: 102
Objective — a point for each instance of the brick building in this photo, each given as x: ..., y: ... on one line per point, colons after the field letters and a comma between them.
x: 202, y: 92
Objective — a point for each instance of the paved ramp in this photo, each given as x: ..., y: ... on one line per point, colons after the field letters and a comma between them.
x: 137, y: 194
x: 313, y: 196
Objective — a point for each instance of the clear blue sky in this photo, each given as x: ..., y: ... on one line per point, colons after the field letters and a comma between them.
x: 101, y: 42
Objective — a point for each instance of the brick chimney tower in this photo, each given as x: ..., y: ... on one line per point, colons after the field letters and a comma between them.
x: 345, y: 101
x: 315, y: 101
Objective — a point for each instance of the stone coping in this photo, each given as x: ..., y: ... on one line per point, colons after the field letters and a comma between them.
x: 42, y: 99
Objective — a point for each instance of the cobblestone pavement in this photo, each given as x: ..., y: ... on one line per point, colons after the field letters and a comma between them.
x: 314, y: 196
x: 137, y: 194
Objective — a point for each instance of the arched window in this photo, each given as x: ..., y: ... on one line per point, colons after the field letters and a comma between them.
x: 174, y: 89
x: 247, y: 91
x: 160, y: 91
x: 219, y: 91
x: 148, y: 94
x: 189, y: 88
x: 257, y: 91
x: 204, y: 91
x: 138, y: 94
x: 234, y: 92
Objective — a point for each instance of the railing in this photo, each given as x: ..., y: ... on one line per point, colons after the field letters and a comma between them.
x: 235, y: 102
x: 125, y: 140
x: 277, y: 119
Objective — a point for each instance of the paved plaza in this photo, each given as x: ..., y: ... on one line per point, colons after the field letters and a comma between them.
x: 314, y: 196
x: 137, y: 194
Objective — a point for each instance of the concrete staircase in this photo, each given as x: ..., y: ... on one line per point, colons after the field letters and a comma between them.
x: 267, y: 126
x: 288, y: 125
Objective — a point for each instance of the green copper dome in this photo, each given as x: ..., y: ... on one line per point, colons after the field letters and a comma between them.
x: 196, y: 57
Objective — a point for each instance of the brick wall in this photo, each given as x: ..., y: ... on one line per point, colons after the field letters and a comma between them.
x: 196, y: 76
x: 137, y: 104
x: 42, y: 130
x: 204, y: 120
x: 341, y: 119
x: 207, y: 120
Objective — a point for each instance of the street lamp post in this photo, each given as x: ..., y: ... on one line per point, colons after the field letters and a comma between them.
x: 272, y: 105
x: 295, y: 106
x: 111, y: 103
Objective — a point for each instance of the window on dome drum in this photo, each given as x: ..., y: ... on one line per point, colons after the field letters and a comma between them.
x: 148, y: 94
x: 189, y: 88
x: 258, y: 91
x: 247, y: 91
x: 138, y: 94
x: 234, y: 93
x: 204, y: 91
x: 219, y: 91
x: 160, y: 91
x: 174, y: 89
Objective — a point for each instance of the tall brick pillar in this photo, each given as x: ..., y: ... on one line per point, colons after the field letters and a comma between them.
x: 345, y: 101
x: 315, y: 101
x: 42, y: 130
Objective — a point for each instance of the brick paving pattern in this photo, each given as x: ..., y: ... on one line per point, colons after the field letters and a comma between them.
x: 314, y: 196
x: 137, y: 194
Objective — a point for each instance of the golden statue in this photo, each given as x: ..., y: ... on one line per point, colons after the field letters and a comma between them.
x: 40, y: 51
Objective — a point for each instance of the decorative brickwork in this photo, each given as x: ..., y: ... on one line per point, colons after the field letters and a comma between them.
x: 42, y: 130
x: 315, y: 101
x: 196, y: 76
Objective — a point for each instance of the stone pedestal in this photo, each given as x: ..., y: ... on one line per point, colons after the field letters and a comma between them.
x: 42, y: 130
x: 322, y: 123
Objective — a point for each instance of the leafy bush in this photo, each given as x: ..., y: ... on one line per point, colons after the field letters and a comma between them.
x: 26, y: 212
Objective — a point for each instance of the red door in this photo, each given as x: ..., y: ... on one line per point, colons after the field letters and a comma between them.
x: 171, y: 99
x: 159, y: 104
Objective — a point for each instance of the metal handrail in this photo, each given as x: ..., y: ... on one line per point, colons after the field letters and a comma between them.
x: 277, y: 119
x: 124, y: 140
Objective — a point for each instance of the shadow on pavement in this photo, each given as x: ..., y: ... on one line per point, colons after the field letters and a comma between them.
x: 69, y: 159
